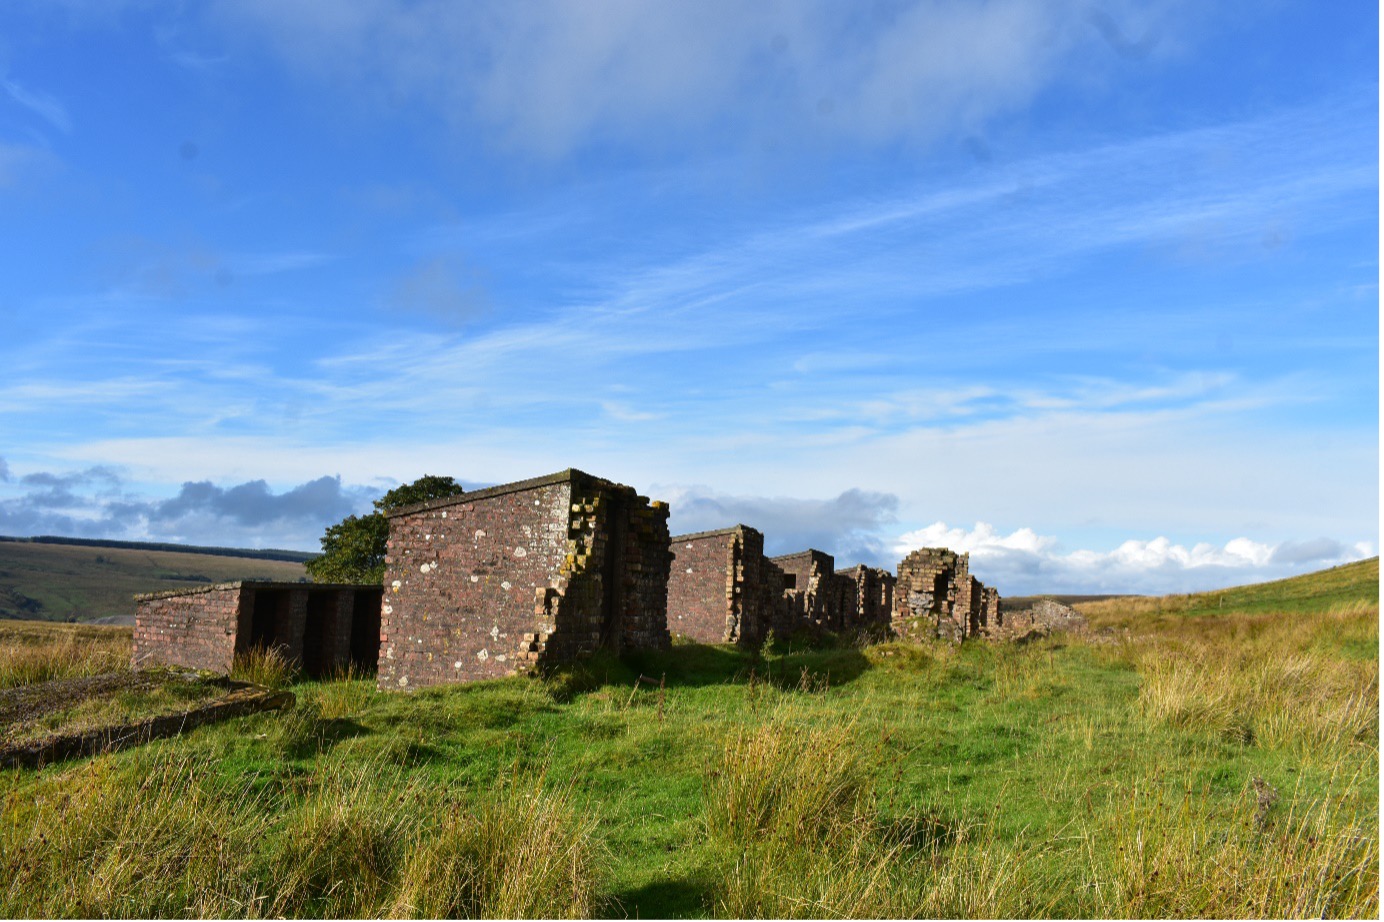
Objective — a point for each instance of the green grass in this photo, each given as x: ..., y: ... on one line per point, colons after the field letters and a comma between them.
x: 1314, y: 592
x: 1173, y: 762
x: 152, y: 694
x: 61, y: 582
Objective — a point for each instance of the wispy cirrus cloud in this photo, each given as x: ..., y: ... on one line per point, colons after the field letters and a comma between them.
x: 555, y: 77
x: 46, y: 107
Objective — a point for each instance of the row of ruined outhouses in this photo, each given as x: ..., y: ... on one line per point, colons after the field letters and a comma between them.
x: 545, y: 571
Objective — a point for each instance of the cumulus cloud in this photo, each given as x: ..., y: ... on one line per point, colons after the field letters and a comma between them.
x: 1025, y: 562
x: 96, y: 503
x: 849, y: 526
x: 552, y: 76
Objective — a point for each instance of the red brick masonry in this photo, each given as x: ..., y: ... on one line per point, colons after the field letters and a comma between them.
x: 502, y: 580
x: 322, y: 627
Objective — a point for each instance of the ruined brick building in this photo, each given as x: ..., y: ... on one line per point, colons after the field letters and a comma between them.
x: 487, y: 583
x: 723, y: 589
x: 936, y: 595
x: 544, y: 571
x: 320, y: 627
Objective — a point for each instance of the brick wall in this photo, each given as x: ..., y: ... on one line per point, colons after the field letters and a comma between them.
x: 815, y: 598
x: 193, y: 628
x: 498, y: 581
x: 867, y: 600
x: 937, y: 596
x: 701, y: 585
x: 722, y: 588
x: 460, y: 582
x: 205, y: 628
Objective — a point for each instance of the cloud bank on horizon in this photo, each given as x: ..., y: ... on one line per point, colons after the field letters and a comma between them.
x: 1102, y: 281
x: 856, y: 526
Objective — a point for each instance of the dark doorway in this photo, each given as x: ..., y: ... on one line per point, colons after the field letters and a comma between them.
x: 365, y: 631
x: 268, y: 619
x: 321, y: 611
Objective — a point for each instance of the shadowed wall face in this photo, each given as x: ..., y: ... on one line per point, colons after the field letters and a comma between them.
x: 701, y: 585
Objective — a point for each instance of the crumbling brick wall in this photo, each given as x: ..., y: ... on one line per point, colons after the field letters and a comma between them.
x: 1043, y: 618
x: 312, y: 625
x: 937, y: 596
x: 493, y: 582
x: 722, y: 589
x: 813, y: 595
x: 867, y: 599
x: 990, y: 609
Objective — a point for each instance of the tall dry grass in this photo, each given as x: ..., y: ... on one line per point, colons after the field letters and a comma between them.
x: 40, y: 653
x: 161, y: 838
x: 1272, y: 680
x: 792, y: 805
x: 267, y: 666
x: 1269, y: 856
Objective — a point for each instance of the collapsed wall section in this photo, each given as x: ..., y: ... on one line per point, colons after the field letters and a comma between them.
x: 867, y: 599
x: 936, y: 596
x: 813, y: 596
x: 1044, y: 617
x: 497, y: 581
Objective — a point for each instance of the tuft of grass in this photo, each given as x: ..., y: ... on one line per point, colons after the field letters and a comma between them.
x: 267, y: 666
x: 784, y: 781
x: 346, y: 692
x: 1263, y: 857
x: 524, y: 852
x: 792, y: 806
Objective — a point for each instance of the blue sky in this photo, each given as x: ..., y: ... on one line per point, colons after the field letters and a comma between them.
x: 1088, y: 290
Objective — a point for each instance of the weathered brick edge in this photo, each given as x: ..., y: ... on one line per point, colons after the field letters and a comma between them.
x: 521, y: 576
x: 722, y: 589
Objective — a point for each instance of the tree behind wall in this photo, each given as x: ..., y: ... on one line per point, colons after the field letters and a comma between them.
x: 353, y: 549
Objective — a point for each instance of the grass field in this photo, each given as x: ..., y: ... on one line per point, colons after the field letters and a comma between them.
x: 1212, y: 755
x: 60, y: 582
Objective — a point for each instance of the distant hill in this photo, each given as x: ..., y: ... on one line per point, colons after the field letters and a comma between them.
x: 66, y: 579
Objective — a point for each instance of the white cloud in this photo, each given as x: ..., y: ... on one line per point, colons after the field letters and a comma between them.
x: 550, y: 77
x: 1024, y: 562
x: 848, y: 526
